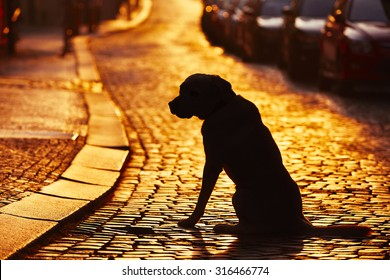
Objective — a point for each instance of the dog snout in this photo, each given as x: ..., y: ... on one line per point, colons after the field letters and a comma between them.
x: 173, y: 106
x: 180, y: 108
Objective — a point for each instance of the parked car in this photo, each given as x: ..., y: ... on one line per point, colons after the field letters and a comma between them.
x: 303, y: 22
x: 232, y: 24
x: 244, y: 18
x: 209, y: 18
x: 262, y: 25
x: 355, y: 45
x: 223, y: 11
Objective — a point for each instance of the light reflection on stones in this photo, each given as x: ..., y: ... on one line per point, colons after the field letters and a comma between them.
x: 339, y: 163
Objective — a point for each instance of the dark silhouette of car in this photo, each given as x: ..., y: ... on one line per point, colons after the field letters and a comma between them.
x: 303, y: 22
x: 209, y: 20
x: 216, y: 20
x: 355, y: 45
x: 261, y: 29
x: 233, y: 23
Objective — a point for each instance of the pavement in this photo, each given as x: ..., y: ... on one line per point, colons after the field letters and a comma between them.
x: 339, y: 160
x: 62, y: 140
x: 338, y: 157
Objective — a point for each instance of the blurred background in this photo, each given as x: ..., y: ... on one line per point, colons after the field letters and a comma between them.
x: 342, y: 44
x: 69, y: 17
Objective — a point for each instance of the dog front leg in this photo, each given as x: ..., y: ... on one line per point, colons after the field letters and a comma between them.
x: 210, y: 176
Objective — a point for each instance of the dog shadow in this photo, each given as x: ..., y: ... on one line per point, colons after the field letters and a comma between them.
x: 247, y: 247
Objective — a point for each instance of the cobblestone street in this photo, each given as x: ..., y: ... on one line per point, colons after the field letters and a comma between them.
x: 336, y: 148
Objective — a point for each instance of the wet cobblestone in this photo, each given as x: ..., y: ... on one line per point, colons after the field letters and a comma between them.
x: 32, y: 109
x: 340, y: 162
x: 29, y: 164
x: 74, y: 84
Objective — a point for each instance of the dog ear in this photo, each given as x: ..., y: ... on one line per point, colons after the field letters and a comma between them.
x: 223, y: 86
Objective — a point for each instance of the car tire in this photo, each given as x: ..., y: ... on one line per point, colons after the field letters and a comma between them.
x: 292, y: 69
x: 343, y: 88
x: 323, y: 83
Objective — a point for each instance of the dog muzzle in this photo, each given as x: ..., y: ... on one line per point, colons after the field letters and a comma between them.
x: 178, y: 110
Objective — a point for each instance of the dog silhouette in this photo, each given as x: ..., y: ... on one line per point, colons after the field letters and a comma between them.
x: 267, y: 200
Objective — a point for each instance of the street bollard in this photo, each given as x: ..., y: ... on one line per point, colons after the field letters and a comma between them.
x: 13, y: 12
x: 93, y: 14
x: 72, y: 21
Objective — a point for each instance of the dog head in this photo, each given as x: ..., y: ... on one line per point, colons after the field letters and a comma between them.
x: 201, y: 95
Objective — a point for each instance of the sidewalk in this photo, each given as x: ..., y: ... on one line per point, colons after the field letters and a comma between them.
x: 43, y: 121
x: 62, y: 143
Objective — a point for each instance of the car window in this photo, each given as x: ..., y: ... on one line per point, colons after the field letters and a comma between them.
x: 225, y: 4
x: 273, y: 8
x: 242, y: 3
x: 373, y: 10
x: 316, y: 8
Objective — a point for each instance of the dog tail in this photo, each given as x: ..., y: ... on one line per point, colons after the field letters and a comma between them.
x: 342, y: 231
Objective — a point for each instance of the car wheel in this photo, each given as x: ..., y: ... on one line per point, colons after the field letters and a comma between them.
x: 292, y: 69
x: 280, y: 62
x: 323, y: 83
x: 259, y: 53
x: 343, y: 88
x: 247, y: 54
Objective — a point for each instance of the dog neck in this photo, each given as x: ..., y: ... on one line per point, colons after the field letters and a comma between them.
x: 221, y: 105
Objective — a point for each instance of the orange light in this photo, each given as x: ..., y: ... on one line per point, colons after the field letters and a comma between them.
x: 16, y: 14
x: 208, y: 9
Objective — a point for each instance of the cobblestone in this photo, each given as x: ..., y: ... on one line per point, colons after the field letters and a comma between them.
x: 30, y: 157
x: 339, y: 160
x: 29, y: 164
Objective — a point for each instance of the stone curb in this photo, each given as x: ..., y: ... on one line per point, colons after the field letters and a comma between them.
x: 92, y: 174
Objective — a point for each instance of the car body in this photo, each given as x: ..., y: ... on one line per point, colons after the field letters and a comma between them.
x: 220, y: 16
x: 355, y: 44
x: 232, y: 24
x: 302, y: 25
x: 209, y: 18
x: 244, y: 21
x: 262, y: 25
